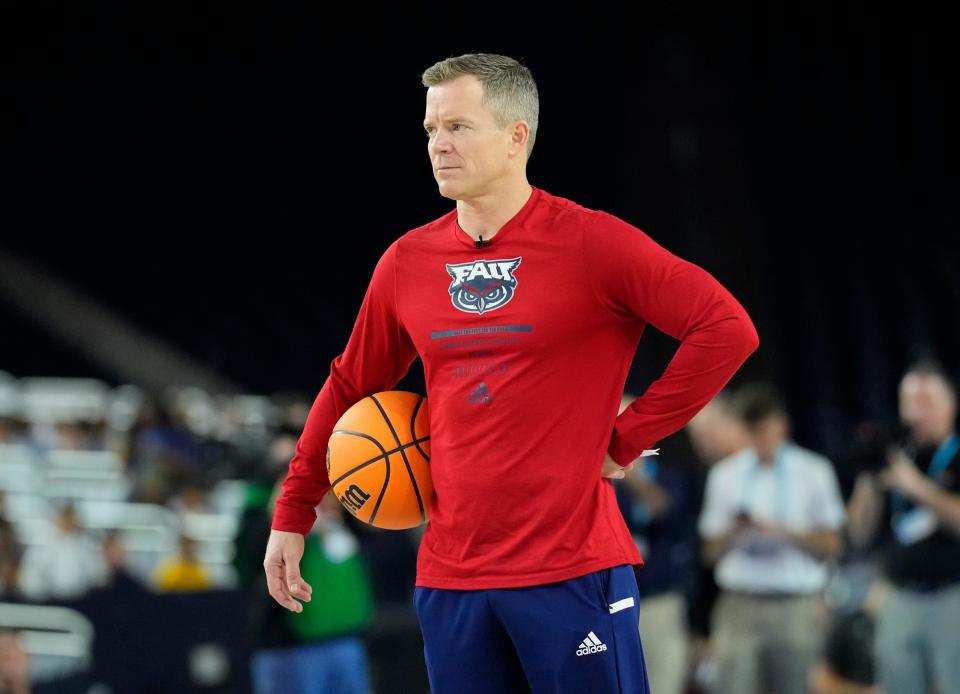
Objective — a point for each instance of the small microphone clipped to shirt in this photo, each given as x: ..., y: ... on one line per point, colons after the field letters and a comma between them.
x: 480, y: 243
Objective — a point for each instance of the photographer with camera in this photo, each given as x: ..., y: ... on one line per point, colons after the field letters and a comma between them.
x: 912, y: 502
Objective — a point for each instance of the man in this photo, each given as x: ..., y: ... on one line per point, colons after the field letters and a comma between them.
x: 915, y: 638
x: 771, y: 518
x: 526, y: 309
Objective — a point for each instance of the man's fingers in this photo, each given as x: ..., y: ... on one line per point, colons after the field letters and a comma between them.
x: 286, y: 601
x: 299, y: 583
x: 277, y: 589
x: 611, y: 469
x: 297, y: 586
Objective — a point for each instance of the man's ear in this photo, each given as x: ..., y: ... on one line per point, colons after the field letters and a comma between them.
x: 519, y: 134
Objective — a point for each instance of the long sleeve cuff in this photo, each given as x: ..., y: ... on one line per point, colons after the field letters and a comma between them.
x: 623, y: 452
x: 293, y: 519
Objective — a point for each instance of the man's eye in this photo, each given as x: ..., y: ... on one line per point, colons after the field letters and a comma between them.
x: 429, y: 131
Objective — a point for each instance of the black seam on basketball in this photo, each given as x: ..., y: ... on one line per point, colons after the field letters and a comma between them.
x: 367, y: 436
x: 413, y: 419
x: 413, y: 431
x: 413, y: 480
x: 403, y: 454
x: 371, y: 461
x: 359, y: 467
x: 386, y: 419
x: 383, y: 492
x: 376, y: 443
x: 362, y: 435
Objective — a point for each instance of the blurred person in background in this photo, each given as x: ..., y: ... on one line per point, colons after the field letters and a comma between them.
x: 11, y: 554
x: 164, y: 453
x: 193, y: 498
x: 14, y: 665
x: 120, y: 580
x: 183, y: 571
x: 67, y: 567
x: 847, y: 665
x: 659, y: 501
x: 915, y: 643
x: 322, y: 648
x: 12, y: 430
x: 771, y: 519
x: 6, y: 429
x: 79, y: 436
x: 715, y: 433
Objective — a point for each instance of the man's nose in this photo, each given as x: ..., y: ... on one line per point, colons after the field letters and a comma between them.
x: 440, y: 142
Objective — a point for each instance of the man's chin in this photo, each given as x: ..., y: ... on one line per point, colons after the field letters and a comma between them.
x: 449, y: 192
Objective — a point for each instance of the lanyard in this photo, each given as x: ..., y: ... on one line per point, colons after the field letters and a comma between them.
x: 943, y: 456
x: 782, y: 492
x: 938, y: 465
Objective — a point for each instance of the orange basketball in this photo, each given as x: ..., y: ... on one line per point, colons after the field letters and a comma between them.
x: 378, y: 460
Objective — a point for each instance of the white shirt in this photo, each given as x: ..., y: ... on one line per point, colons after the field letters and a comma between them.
x: 65, y: 569
x: 799, y: 491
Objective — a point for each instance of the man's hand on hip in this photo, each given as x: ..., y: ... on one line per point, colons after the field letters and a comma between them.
x: 613, y: 470
x: 282, y: 566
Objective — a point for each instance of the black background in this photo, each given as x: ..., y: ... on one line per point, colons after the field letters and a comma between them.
x: 227, y: 176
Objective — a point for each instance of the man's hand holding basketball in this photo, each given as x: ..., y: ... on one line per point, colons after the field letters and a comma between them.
x: 282, y: 566
x: 613, y: 470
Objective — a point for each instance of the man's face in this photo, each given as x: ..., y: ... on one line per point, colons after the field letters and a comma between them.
x: 468, y: 153
x: 767, y: 435
x: 715, y: 433
x: 927, y: 406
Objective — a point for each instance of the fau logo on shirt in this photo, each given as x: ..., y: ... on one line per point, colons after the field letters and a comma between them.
x: 483, y: 285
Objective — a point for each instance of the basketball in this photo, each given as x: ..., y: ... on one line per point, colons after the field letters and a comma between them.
x: 378, y: 460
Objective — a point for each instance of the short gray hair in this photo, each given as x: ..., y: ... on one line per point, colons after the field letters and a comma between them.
x: 509, y: 91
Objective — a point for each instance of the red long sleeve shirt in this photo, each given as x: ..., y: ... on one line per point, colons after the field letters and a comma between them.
x: 526, y: 344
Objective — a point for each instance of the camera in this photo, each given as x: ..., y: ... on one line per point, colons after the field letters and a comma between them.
x: 871, y: 443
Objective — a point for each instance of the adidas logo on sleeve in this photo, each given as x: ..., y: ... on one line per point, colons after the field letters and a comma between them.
x: 591, y: 644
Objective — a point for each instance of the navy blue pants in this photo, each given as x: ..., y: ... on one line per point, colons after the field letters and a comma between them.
x: 579, y: 636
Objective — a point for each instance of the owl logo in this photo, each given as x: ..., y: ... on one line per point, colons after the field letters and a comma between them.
x: 482, y: 285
